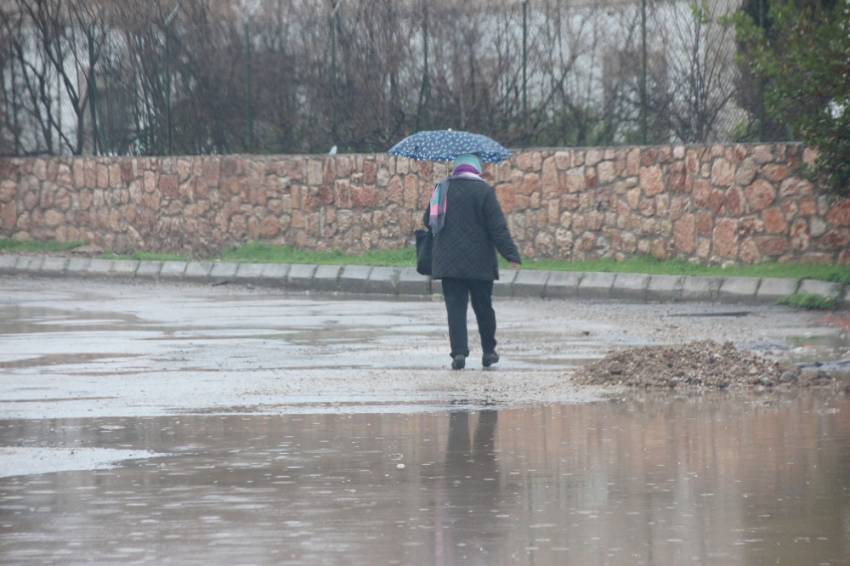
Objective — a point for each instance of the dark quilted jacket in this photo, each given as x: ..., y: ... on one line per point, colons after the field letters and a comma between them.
x: 475, y: 228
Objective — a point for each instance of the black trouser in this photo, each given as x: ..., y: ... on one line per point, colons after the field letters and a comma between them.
x: 456, y: 293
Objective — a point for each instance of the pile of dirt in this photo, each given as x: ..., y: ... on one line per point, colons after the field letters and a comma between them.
x: 704, y: 364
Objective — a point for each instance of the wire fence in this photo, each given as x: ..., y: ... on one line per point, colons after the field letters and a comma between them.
x: 285, y: 76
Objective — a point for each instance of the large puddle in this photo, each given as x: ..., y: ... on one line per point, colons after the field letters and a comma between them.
x: 178, y: 424
x: 702, y: 481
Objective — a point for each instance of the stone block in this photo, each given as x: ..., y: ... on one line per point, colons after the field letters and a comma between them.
x: 664, y: 288
x: 738, y: 289
x: 250, y: 273
x: 54, y: 265
x: 198, y: 270
x: 326, y: 278
x: 7, y: 263
x: 530, y: 283
x: 124, y: 268
x: 77, y: 265
x: 632, y: 286
x: 596, y: 285
x: 354, y: 279
x: 149, y: 269
x: 99, y: 268
x: 701, y: 288
x: 822, y: 288
x: 29, y: 263
x: 412, y: 283
x: 383, y: 280
x: 300, y: 276
x: 503, y: 287
x: 172, y: 269
x: 773, y: 290
x: 275, y: 274
x: 223, y: 271
x: 562, y: 285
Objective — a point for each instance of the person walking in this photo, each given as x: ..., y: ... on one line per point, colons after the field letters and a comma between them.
x: 468, y: 226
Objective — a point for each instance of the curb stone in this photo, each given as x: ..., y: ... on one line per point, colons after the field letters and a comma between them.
x: 355, y: 278
x: 383, y: 280
x: 774, y: 290
x: 503, y: 286
x: 249, y: 273
x: 739, y: 289
x: 530, y: 284
x: 125, y: 268
x: 300, y: 276
x: 7, y: 263
x: 664, y: 288
x: 630, y: 286
x: 595, y: 285
x: 77, y: 265
x: 410, y: 282
x: 275, y: 274
x: 149, y: 269
x: 54, y: 266
x: 172, y: 269
x: 223, y: 271
x: 198, y: 270
x: 562, y: 284
x: 29, y: 263
x: 823, y: 288
x: 99, y: 267
x: 326, y: 278
x: 701, y: 288
x: 363, y: 279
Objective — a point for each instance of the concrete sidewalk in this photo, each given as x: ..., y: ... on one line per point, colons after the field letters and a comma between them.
x: 360, y: 279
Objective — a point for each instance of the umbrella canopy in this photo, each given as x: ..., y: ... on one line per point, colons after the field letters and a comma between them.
x: 445, y: 145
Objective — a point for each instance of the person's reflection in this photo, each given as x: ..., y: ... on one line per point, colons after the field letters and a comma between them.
x: 469, y: 526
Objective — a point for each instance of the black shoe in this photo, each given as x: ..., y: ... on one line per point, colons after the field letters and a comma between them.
x: 459, y: 361
x: 489, y: 358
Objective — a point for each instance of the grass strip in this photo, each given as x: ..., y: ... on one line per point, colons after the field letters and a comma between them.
x: 809, y: 301
x: 145, y: 256
x: 12, y: 246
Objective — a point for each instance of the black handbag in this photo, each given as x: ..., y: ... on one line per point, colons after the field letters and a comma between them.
x: 424, y: 247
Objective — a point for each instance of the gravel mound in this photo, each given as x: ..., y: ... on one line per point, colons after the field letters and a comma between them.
x: 702, y: 364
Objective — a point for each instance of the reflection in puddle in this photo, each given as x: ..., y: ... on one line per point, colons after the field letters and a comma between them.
x: 711, y: 480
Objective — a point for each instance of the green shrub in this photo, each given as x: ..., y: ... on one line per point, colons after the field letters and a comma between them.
x: 810, y: 302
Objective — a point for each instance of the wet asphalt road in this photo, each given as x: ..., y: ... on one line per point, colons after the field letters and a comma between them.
x: 235, y: 426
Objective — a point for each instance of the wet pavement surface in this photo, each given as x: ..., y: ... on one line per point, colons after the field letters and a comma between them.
x: 233, y: 426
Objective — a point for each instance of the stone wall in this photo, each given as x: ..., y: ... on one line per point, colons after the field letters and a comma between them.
x: 734, y: 203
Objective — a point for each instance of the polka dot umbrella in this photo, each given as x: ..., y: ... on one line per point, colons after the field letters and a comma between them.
x: 445, y: 145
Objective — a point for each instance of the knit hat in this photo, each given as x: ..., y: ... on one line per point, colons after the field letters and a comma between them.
x: 468, y: 159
